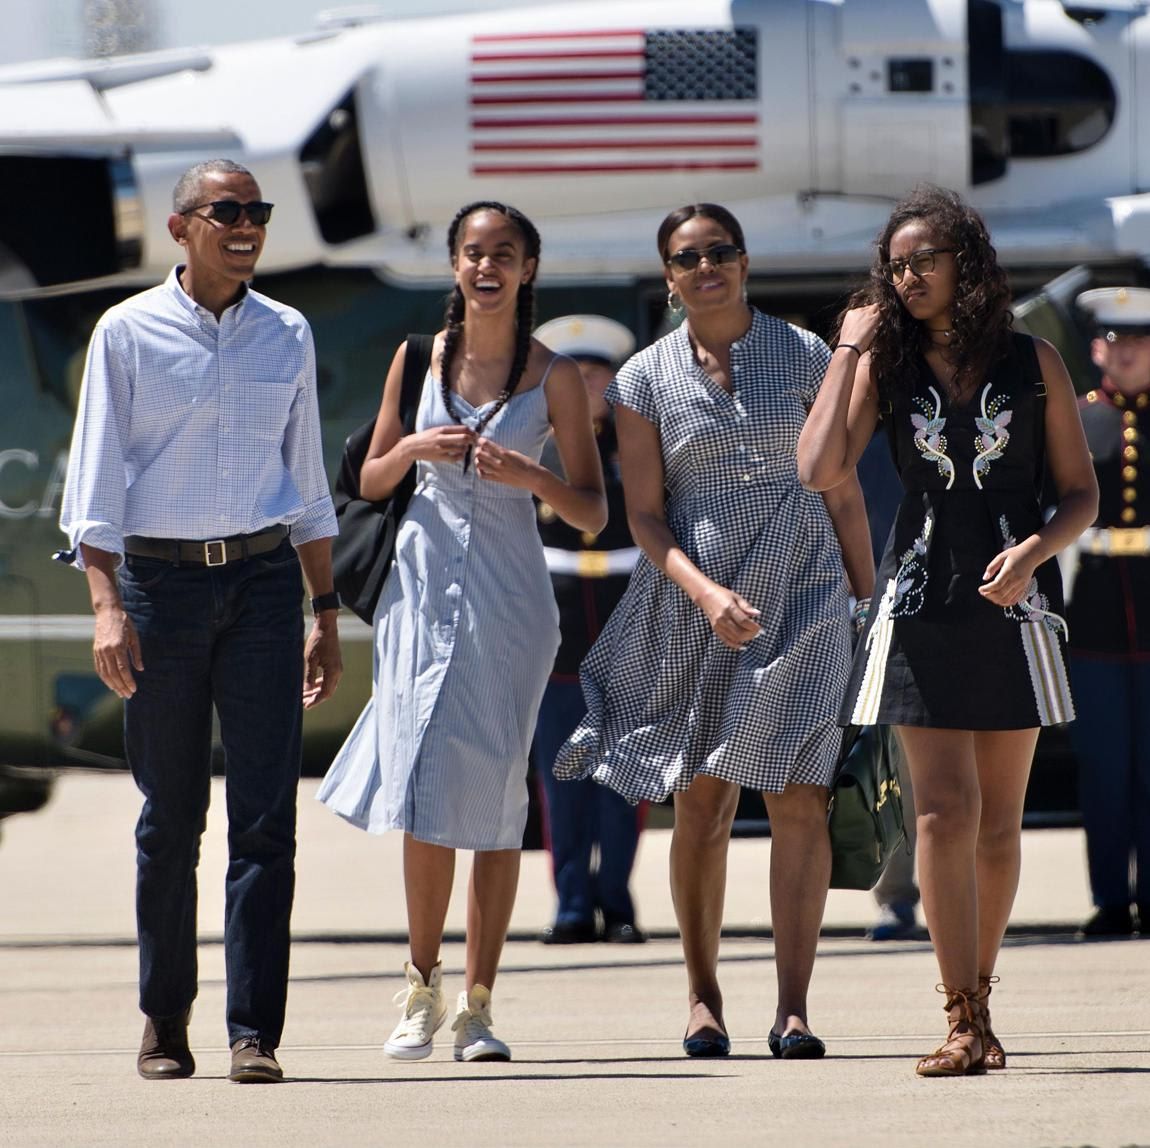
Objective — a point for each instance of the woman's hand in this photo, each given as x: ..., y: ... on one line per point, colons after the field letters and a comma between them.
x: 859, y: 327
x: 498, y: 464
x: 440, y: 444
x: 731, y: 616
x: 1008, y: 576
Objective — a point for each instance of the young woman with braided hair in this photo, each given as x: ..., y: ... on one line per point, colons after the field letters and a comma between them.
x: 963, y: 652
x: 466, y: 628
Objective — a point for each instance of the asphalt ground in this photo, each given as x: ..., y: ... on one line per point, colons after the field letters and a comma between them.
x: 594, y: 1029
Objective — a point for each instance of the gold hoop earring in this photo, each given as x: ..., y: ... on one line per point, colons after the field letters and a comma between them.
x: 674, y: 304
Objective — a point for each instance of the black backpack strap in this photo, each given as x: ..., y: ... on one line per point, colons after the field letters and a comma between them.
x: 416, y: 361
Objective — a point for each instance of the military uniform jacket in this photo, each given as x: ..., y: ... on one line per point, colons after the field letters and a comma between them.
x: 585, y: 604
x: 1109, y: 615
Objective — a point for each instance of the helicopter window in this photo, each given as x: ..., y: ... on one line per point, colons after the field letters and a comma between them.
x: 910, y: 75
x: 1057, y: 103
x: 332, y: 164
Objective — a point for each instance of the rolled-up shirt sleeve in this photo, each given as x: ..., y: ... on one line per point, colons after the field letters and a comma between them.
x: 92, y: 508
x: 303, y: 456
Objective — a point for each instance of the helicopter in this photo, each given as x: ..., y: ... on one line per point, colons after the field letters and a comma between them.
x: 807, y: 118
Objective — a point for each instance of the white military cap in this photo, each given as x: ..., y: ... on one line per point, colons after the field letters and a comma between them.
x: 1118, y: 310
x: 587, y: 337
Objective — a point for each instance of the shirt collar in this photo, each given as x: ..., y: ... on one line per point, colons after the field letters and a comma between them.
x: 172, y: 283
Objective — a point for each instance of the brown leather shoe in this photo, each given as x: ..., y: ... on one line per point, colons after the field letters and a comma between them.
x: 254, y: 1062
x: 164, y: 1052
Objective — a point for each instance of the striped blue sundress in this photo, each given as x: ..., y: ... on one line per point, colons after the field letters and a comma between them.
x: 466, y: 632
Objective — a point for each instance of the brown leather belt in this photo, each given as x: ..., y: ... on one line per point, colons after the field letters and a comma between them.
x: 216, y: 552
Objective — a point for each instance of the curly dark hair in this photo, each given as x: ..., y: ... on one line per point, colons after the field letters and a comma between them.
x: 525, y: 308
x: 980, y: 313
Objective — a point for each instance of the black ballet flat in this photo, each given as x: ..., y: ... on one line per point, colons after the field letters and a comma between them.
x: 707, y: 1046
x: 796, y: 1046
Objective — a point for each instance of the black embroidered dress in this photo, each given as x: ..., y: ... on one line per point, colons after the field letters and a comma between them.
x: 935, y: 652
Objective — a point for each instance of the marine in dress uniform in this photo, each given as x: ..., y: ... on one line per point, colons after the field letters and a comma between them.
x: 589, y: 573
x: 1109, y: 618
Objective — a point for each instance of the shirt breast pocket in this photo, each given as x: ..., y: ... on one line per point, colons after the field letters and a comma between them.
x: 268, y: 404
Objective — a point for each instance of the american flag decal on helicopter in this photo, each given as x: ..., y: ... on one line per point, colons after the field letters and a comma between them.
x: 614, y: 102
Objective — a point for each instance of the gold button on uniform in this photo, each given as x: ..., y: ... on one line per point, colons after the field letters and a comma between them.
x: 1129, y: 473
x: 1092, y: 396
x: 1130, y: 453
x: 588, y: 537
x: 546, y: 512
x: 1129, y: 494
x: 1130, y: 434
x: 1129, y: 514
x: 1129, y: 418
x: 1142, y: 400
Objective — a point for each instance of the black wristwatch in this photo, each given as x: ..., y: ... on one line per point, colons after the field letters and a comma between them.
x: 328, y: 601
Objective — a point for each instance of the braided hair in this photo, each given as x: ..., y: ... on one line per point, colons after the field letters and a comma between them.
x: 456, y: 309
x: 980, y: 312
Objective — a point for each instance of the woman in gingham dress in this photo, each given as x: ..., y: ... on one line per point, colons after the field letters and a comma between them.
x: 963, y: 651
x: 725, y: 662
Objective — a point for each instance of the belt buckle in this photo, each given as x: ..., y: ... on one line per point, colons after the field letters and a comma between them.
x: 209, y: 560
x: 592, y: 563
x: 1125, y: 542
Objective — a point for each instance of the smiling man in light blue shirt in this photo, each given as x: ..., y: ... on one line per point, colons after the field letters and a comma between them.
x: 195, y: 498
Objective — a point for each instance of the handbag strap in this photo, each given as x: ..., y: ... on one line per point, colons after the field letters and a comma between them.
x: 416, y: 361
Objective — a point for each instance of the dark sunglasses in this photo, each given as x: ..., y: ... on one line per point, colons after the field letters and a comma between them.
x: 921, y: 263
x: 688, y: 259
x: 227, y: 211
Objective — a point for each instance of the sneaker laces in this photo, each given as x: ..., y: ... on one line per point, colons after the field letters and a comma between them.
x: 419, y: 1010
x: 473, y: 1023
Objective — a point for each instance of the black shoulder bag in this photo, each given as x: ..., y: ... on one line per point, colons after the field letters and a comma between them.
x: 362, y: 552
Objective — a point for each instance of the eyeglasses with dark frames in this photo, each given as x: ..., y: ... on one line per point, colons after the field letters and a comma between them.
x: 921, y: 263
x: 722, y: 253
x: 227, y: 211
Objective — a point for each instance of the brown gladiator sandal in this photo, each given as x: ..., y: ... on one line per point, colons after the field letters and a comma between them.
x: 954, y: 1058
x: 994, y: 1055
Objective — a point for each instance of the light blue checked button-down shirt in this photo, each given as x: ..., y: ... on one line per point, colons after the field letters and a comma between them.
x: 194, y: 428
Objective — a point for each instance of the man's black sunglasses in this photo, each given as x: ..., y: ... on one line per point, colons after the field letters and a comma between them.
x: 688, y: 259
x: 227, y: 211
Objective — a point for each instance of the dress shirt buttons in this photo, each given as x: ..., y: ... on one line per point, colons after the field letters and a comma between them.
x: 1129, y: 514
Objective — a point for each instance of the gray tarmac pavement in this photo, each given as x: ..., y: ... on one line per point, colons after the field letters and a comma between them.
x: 594, y: 1029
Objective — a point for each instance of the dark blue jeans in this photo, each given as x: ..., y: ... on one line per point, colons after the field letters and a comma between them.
x: 1111, y: 740
x: 228, y: 637
x: 580, y: 815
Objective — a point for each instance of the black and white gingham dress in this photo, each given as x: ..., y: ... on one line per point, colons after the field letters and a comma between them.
x: 666, y: 699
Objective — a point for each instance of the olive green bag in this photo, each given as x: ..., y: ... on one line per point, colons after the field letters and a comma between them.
x: 864, y: 813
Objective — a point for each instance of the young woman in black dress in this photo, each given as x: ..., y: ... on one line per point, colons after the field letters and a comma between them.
x: 963, y: 651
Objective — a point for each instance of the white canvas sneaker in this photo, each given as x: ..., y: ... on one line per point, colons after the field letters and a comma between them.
x: 424, y: 1011
x: 472, y: 1028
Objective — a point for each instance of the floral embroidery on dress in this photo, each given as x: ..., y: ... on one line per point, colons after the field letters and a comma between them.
x: 1035, y: 607
x: 992, y: 436
x: 929, y: 437
x: 906, y: 591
